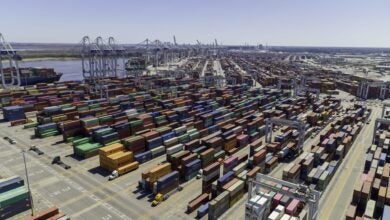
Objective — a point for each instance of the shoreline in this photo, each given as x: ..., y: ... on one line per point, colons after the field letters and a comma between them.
x: 45, y: 59
x: 50, y: 58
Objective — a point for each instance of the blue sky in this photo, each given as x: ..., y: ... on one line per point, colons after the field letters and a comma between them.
x: 275, y: 22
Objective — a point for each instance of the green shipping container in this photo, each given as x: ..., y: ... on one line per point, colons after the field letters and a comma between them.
x: 81, y: 141
x: 50, y: 133
x: 219, y: 154
x: 12, y: 196
x: 31, y: 125
x: 83, y: 149
x: 194, y: 136
x: 184, y: 138
x: 136, y: 123
x: 71, y: 139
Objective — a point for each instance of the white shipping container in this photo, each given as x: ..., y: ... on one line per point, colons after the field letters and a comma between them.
x: 242, y: 175
x: 373, y: 148
x: 171, y: 141
x: 258, y: 207
x: 211, y: 175
x: 286, y: 217
x: 180, y: 129
x: 287, y: 168
x: 280, y: 209
x: 303, y: 155
x: 175, y: 149
x: 324, y: 166
x: 239, y: 168
x: 132, y: 115
x: 236, y: 187
x: 387, y: 142
x: 157, y: 150
x: 274, y: 216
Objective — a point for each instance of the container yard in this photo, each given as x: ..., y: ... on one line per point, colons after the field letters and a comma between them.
x: 174, y: 130
x: 201, y: 146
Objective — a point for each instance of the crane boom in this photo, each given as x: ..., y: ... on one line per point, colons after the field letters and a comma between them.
x: 6, y: 50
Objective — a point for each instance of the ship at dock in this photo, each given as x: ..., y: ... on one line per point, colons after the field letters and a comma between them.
x: 33, y: 75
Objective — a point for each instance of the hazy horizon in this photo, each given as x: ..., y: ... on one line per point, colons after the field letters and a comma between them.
x: 300, y: 23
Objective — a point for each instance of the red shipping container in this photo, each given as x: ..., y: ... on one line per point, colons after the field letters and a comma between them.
x: 292, y: 208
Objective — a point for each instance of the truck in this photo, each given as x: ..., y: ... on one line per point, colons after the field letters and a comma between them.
x: 159, y: 198
x: 113, y: 175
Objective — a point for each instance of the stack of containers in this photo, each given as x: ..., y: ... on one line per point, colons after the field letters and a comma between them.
x: 84, y: 147
x: 136, y: 144
x: 218, y: 185
x: 105, y: 136
x: 14, y: 197
x: 13, y: 113
x: 229, y: 163
x: 71, y: 129
x: 219, y: 205
x: 114, y: 157
x: 150, y: 177
x: 191, y: 169
x: 46, y: 130
x: 197, y: 202
x: 236, y: 191
x: 210, y: 174
x: 258, y: 207
x: 371, y: 194
x: 167, y: 183
x: 207, y: 157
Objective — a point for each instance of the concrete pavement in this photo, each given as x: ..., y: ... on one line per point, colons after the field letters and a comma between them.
x: 338, y: 194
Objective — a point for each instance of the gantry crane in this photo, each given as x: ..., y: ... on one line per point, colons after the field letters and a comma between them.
x: 6, y: 51
x: 291, y: 82
x: 99, y: 59
x: 300, y: 126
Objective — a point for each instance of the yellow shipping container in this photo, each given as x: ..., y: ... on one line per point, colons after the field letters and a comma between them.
x: 58, y: 118
x: 112, y: 164
x: 121, y: 157
x: 107, y: 166
x: 110, y: 149
x: 159, y: 171
x: 128, y: 168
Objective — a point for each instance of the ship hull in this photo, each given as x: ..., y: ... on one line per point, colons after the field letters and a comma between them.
x: 32, y: 80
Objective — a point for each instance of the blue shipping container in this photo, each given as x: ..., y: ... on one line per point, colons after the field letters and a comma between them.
x: 143, y: 157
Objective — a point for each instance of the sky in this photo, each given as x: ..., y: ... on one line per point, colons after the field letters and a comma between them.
x: 354, y: 23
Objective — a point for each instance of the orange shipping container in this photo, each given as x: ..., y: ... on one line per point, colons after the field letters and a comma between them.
x: 110, y: 149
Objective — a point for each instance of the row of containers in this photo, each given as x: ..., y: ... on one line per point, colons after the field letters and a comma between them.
x: 316, y: 167
x: 43, y: 95
x: 48, y: 97
x: 224, y: 135
x: 185, y: 164
x: 34, y: 98
x: 263, y: 158
x: 371, y: 193
x: 14, y: 197
x: 122, y: 124
x: 183, y: 140
x: 325, y: 81
x: 189, y: 149
x: 91, y: 132
x: 184, y: 160
x: 264, y: 161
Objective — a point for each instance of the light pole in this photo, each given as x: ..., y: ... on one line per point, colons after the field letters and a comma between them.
x: 28, y: 183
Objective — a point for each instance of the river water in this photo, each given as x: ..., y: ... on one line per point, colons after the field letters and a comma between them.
x: 71, y: 68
